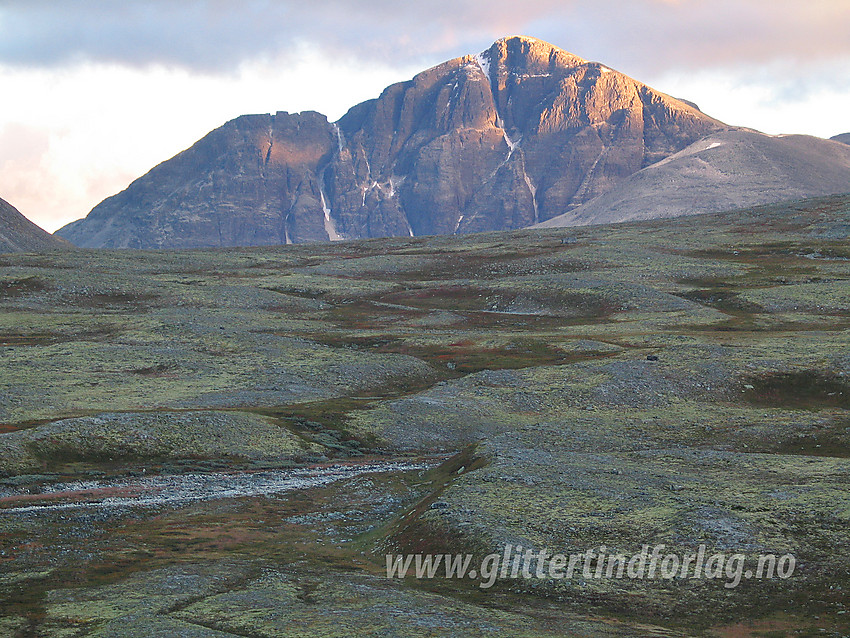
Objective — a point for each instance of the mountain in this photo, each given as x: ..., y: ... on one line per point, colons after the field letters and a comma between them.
x: 844, y: 138
x: 254, y: 181
x: 723, y: 171
x: 18, y: 234
x: 516, y: 135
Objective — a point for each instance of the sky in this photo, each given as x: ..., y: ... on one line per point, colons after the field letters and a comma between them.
x: 97, y: 92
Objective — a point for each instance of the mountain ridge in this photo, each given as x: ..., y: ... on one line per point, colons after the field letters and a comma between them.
x: 504, y: 139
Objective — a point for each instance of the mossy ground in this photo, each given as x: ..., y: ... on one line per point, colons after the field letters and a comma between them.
x: 531, y: 347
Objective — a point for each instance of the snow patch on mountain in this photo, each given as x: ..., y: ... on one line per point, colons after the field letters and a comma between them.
x: 483, y: 61
x: 330, y: 227
x: 339, y: 139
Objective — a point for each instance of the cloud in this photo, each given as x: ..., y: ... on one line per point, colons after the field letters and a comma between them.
x: 645, y: 36
x: 652, y: 37
x: 23, y: 149
x: 767, y: 100
x: 22, y: 143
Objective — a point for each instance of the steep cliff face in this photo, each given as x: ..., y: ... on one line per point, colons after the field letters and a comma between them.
x: 18, y: 234
x: 516, y: 135
x: 251, y: 182
x: 505, y: 139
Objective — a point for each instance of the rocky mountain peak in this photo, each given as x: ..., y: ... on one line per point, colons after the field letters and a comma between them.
x: 513, y: 136
x: 523, y: 55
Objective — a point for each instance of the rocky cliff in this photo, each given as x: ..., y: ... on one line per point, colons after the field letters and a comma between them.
x: 254, y: 181
x: 516, y: 135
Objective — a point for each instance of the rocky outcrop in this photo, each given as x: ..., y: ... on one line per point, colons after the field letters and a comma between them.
x: 18, y: 234
x: 723, y: 171
x: 513, y: 136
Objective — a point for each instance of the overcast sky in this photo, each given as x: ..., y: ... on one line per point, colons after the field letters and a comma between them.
x: 96, y: 92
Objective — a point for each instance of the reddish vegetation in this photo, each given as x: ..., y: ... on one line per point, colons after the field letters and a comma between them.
x: 73, y: 496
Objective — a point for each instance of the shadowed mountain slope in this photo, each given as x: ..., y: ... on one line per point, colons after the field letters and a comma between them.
x: 18, y: 234
x: 723, y: 171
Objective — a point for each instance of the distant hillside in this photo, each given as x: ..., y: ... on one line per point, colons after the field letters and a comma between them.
x: 723, y: 171
x: 844, y: 138
x: 18, y: 234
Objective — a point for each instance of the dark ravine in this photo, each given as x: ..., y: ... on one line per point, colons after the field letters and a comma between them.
x: 516, y: 135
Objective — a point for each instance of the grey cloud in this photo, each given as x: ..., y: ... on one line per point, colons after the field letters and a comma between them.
x: 197, y: 34
x: 637, y: 36
x: 653, y: 37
